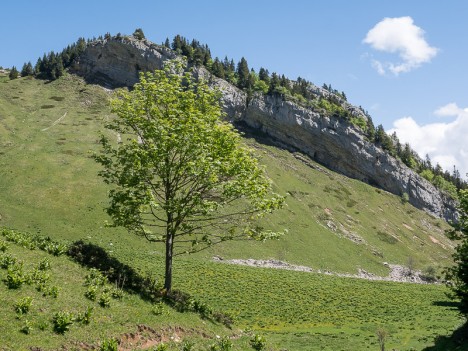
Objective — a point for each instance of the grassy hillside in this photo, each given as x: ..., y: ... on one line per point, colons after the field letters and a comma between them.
x: 49, y: 186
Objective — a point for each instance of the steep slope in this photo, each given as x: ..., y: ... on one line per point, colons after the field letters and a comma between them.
x: 333, y: 142
x: 49, y: 184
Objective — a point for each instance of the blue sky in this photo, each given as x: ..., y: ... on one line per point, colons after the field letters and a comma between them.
x: 402, y: 70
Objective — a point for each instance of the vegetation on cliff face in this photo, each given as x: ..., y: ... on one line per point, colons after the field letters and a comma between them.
x: 325, y: 100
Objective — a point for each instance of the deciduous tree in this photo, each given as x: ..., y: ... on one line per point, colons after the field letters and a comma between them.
x: 180, y: 175
x: 457, y: 276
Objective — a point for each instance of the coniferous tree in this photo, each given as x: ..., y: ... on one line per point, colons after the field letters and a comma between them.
x: 27, y: 70
x: 243, y: 73
x: 167, y: 43
x: 264, y: 75
x: 13, y: 73
x: 138, y: 33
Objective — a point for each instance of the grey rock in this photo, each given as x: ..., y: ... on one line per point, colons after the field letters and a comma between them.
x: 333, y: 142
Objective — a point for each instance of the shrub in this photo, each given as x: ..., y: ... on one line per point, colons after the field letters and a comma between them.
x: 161, y: 347
x: 23, y: 305
x: 187, y: 346
x: 52, y: 291
x: 3, y: 246
x: 26, y: 328
x: 15, y: 277
x: 223, y: 344
x: 85, y: 317
x: 109, y: 345
x: 105, y: 299
x: 44, y: 265
x: 91, y: 292
x: 258, y: 342
x: 158, y: 309
x: 62, y: 321
x: 95, y: 277
x: 7, y: 261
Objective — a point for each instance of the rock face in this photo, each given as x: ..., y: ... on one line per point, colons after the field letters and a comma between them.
x: 333, y: 142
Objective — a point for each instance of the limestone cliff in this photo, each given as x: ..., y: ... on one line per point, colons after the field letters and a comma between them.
x: 333, y: 142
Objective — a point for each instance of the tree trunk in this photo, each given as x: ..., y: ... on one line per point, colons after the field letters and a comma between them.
x: 168, y: 271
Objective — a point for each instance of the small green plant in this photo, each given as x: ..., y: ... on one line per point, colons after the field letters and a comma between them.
x: 15, y: 277
x: 23, y: 305
x: 258, y: 342
x: 91, y: 292
x: 223, y: 344
x: 161, y: 347
x: 94, y: 277
x: 42, y: 325
x: 44, y: 265
x: 109, y: 345
x: 3, y: 246
x: 187, y: 346
x: 117, y: 293
x: 85, y: 317
x: 158, y: 308
x: 62, y: 321
x: 104, y: 299
x: 52, y: 291
x: 7, y: 261
x: 27, y: 327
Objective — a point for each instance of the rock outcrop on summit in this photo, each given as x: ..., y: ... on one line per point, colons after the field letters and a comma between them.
x: 331, y: 141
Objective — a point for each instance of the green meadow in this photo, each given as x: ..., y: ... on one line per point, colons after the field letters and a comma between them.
x: 49, y: 186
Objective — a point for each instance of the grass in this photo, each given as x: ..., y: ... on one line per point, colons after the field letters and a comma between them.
x: 48, y: 185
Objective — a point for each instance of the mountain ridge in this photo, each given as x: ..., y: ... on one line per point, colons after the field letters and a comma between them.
x: 331, y: 141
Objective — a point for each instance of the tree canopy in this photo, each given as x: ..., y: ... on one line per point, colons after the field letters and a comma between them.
x: 457, y: 276
x: 180, y: 175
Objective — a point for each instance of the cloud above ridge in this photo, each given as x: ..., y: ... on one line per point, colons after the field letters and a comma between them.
x: 445, y: 142
x: 399, y: 36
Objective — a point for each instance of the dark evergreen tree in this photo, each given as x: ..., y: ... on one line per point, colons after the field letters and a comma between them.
x: 275, y: 83
x: 138, y: 34
x: 167, y: 43
x: 27, y: 70
x: 243, y: 73
x: 13, y: 73
x: 264, y: 75
x: 218, y: 69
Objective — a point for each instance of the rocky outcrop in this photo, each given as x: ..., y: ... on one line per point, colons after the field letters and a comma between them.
x: 333, y: 142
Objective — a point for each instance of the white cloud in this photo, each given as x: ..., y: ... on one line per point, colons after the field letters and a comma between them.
x: 399, y: 36
x: 446, y: 143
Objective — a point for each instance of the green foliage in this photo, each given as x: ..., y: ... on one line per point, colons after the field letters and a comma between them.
x: 258, y: 342
x: 360, y: 122
x: 405, y: 198
x: 3, y: 247
x: 109, y: 345
x: 15, y: 276
x: 427, y: 174
x: 457, y: 275
x: 27, y: 70
x: 23, y: 305
x: 445, y: 186
x: 104, y: 299
x: 85, y: 317
x: 223, y: 344
x: 62, y: 321
x: 188, y: 168
x: 27, y: 327
x: 13, y: 73
x: 161, y: 347
x: 158, y: 308
x: 138, y: 34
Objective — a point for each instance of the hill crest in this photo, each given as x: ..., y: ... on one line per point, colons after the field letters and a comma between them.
x: 332, y: 141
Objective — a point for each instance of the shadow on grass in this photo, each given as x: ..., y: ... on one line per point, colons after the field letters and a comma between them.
x: 128, y: 279
x: 458, y: 341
